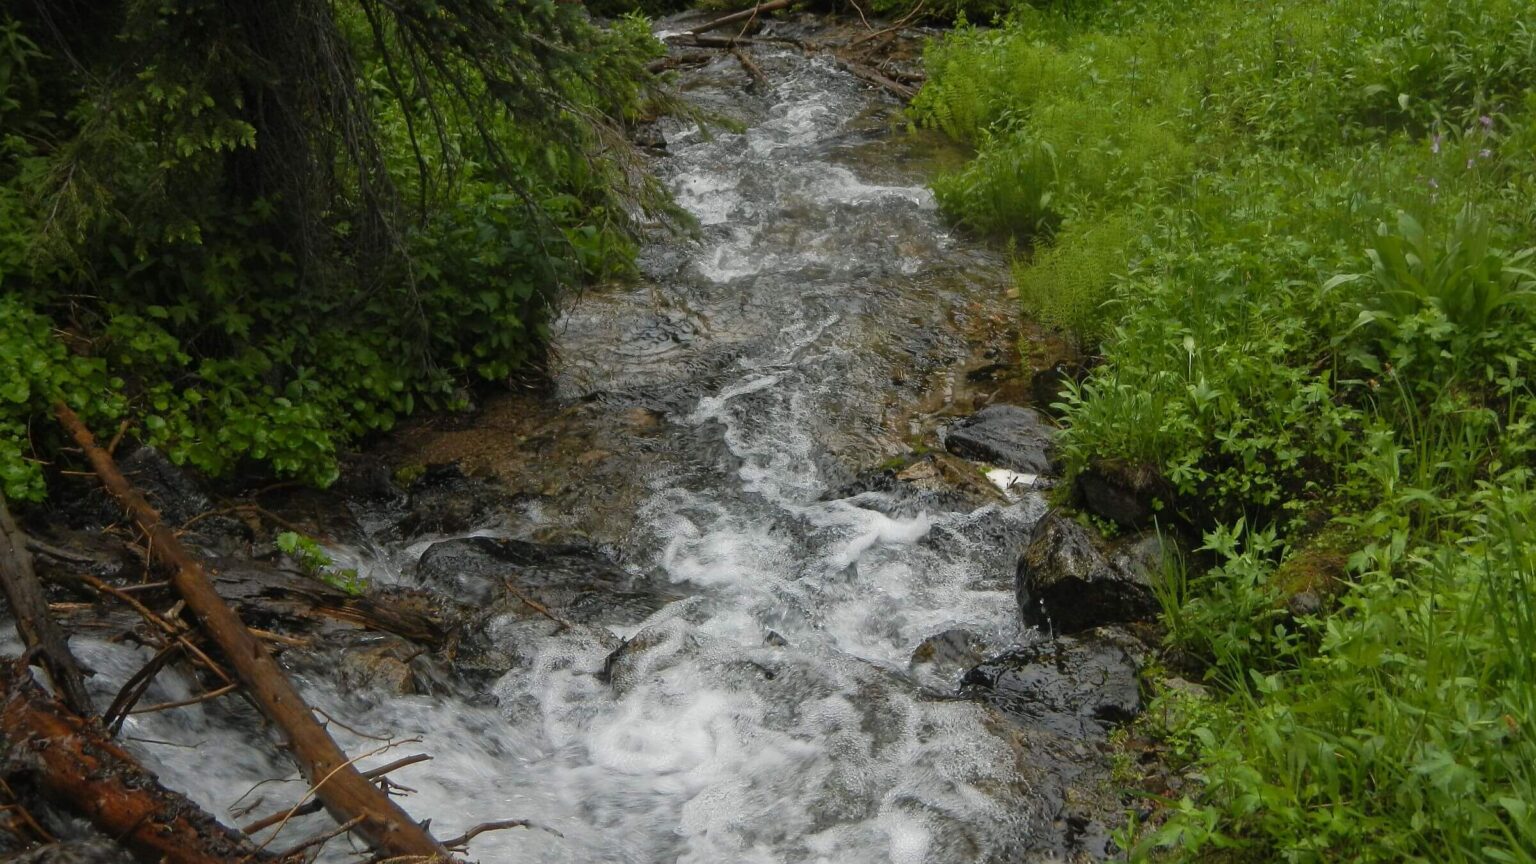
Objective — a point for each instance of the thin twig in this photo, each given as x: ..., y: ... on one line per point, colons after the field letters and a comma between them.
x: 321, y: 839
x: 182, y: 703
x: 462, y: 840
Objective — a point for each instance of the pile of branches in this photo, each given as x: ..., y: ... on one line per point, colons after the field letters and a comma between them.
x: 62, y: 748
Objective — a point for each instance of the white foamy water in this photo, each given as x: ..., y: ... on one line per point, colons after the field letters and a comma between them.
x: 770, y: 716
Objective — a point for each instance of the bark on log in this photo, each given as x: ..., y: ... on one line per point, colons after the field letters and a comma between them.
x: 33, y: 622
x: 338, y: 784
x: 74, y: 764
x: 743, y: 15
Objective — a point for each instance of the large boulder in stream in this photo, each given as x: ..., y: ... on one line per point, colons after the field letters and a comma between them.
x: 1006, y: 436
x: 1076, y: 686
x: 1069, y: 579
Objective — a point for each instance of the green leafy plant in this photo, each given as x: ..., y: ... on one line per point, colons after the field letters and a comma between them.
x: 315, y: 562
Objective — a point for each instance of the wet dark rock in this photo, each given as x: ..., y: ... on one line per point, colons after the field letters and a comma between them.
x: 1049, y: 386
x: 579, y: 582
x: 172, y: 490
x: 943, y: 658
x: 1072, y: 685
x: 445, y: 501
x: 382, y: 667
x: 1125, y: 495
x: 1004, y: 435
x: 1304, y: 605
x: 917, y: 483
x: 79, y: 501
x: 1069, y: 579
x: 98, y: 553
x: 368, y: 480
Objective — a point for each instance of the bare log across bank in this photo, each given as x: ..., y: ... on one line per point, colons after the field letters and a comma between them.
x: 73, y: 763
x: 345, y: 792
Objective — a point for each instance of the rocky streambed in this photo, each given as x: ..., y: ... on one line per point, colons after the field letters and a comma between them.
x: 761, y: 572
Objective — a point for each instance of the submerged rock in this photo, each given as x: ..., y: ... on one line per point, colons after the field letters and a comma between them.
x: 1069, y: 580
x: 943, y: 658
x: 443, y: 500
x: 579, y: 582
x: 1076, y: 686
x: 1004, y: 435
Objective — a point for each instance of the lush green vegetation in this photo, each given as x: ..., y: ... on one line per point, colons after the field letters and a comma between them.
x: 256, y: 231
x: 1291, y: 235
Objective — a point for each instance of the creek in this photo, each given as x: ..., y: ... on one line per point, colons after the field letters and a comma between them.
x: 755, y: 696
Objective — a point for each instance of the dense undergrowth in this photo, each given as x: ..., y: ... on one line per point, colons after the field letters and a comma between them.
x: 256, y: 231
x: 1295, y: 236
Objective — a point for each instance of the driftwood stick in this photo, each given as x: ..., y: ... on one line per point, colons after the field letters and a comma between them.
x: 732, y: 41
x: 338, y: 784
x: 73, y: 763
x: 900, y: 23
x: 752, y: 68
x: 859, y: 70
x: 314, y: 806
x: 34, y: 624
x: 462, y: 840
x: 183, y: 703
x: 133, y: 689
x: 743, y: 15
x: 320, y: 839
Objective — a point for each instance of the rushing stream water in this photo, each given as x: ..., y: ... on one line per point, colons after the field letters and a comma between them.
x: 772, y: 713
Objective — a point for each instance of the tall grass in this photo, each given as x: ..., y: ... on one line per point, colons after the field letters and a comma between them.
x: 1296, y: 234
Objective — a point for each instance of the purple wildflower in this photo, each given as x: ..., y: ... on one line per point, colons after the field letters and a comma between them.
x: 1486, y: 121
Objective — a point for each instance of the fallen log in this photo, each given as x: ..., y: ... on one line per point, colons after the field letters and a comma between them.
x: 693, y: 41
x: 75, y: 765
x: 859, y: 70
x: 346, y: 794
x: 743, y: 15
x: 42, y: 636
